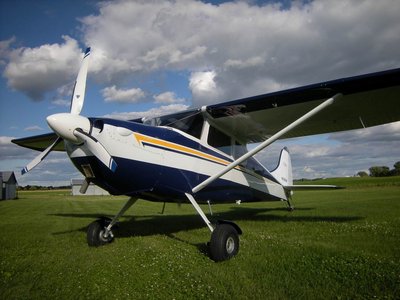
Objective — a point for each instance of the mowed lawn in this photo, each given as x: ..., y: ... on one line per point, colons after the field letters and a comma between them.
x: 336, y: 244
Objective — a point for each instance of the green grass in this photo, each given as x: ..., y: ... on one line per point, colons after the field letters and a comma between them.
x: 336, y: 244
x: 357, y: 182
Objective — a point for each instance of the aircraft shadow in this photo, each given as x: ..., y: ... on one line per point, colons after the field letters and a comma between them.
x: 168, y: 225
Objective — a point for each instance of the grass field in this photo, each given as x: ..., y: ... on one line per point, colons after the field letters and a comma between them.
x: 336, y: 244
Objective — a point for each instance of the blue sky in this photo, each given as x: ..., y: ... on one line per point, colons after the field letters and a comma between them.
x: 158, y: 57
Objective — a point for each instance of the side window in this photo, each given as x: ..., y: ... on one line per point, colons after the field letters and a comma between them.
x: 219, y: 140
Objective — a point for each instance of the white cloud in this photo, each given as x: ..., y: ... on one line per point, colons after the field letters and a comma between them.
x: 61, y: 102
x: 10, y: 151
x: 167, y: 98
x: 36, y: 71
x: 387, y: 133
x: 151, y: 113
x: 112, y: 94
x: 204, y: 88
x: 33, y: 128
x: 250, y: 49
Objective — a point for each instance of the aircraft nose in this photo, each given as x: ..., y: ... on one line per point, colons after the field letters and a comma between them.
x: 64, y: 125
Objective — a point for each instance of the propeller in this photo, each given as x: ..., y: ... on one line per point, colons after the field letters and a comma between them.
x: 73, y: 127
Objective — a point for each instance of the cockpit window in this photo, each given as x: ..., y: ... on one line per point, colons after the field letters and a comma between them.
x: 219, y: 140
x: 239, y: 150
x: 190, y: 122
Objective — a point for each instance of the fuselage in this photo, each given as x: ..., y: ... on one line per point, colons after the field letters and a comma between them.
x: 162, y: 163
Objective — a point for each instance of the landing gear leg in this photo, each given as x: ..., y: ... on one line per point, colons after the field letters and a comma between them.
x: 99, y: 232
x: 289, y: 203
x: 224, y: 243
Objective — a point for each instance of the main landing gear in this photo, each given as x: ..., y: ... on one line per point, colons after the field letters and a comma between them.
x: 224, y: 243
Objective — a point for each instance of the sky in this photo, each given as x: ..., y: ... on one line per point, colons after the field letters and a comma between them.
x: 155, y: 57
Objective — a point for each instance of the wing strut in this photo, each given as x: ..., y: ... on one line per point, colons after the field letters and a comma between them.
x: 267, y: 142
x: 200, y: 211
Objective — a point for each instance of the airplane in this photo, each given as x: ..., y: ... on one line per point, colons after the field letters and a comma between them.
x: 200, y: 156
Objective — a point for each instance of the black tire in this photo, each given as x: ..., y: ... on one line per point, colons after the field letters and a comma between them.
x: 95, y: 236
x: 224, y: 243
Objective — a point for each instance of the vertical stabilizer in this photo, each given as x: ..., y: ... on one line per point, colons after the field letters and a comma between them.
x: 283, y: 172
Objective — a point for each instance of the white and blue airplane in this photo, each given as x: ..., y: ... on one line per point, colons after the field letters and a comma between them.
x: 201, y: 156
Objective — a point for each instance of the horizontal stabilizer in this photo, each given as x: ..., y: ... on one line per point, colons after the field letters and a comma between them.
x: 312, y: 187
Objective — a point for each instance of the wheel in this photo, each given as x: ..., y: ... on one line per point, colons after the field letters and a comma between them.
x: 95, y: 231
x: 224, y: 242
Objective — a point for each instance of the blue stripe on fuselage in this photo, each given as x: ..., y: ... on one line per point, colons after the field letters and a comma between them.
x: 165, y: 184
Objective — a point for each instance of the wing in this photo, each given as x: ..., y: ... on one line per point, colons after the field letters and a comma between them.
x: 368, y: 100
x: 40, y: 142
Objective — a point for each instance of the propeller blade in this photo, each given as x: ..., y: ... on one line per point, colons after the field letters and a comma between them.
x: 37, y: 160
x: 96, y: 148
x: 78, y: 95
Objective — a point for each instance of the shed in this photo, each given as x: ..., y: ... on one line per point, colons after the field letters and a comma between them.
x: 93, y: 190
x: 8, y: 185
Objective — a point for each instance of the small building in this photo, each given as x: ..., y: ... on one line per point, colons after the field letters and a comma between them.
x: 8, y: 185
x: 93, y: 190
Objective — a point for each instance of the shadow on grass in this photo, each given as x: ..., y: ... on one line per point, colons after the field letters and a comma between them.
x: 170, y: 224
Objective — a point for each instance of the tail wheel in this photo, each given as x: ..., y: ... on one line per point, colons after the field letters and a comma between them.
x: 95, y: 234
x: 224, y: 243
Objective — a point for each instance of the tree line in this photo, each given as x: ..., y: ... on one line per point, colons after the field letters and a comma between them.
x: 382, y: 171
x: 41, y: 188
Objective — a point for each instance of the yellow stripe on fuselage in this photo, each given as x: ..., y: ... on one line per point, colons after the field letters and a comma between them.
x: 176, y: 147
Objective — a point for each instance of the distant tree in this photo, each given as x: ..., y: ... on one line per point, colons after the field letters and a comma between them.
x: 396, y: 170
x: 362, y: 174
x: 379, y: 171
